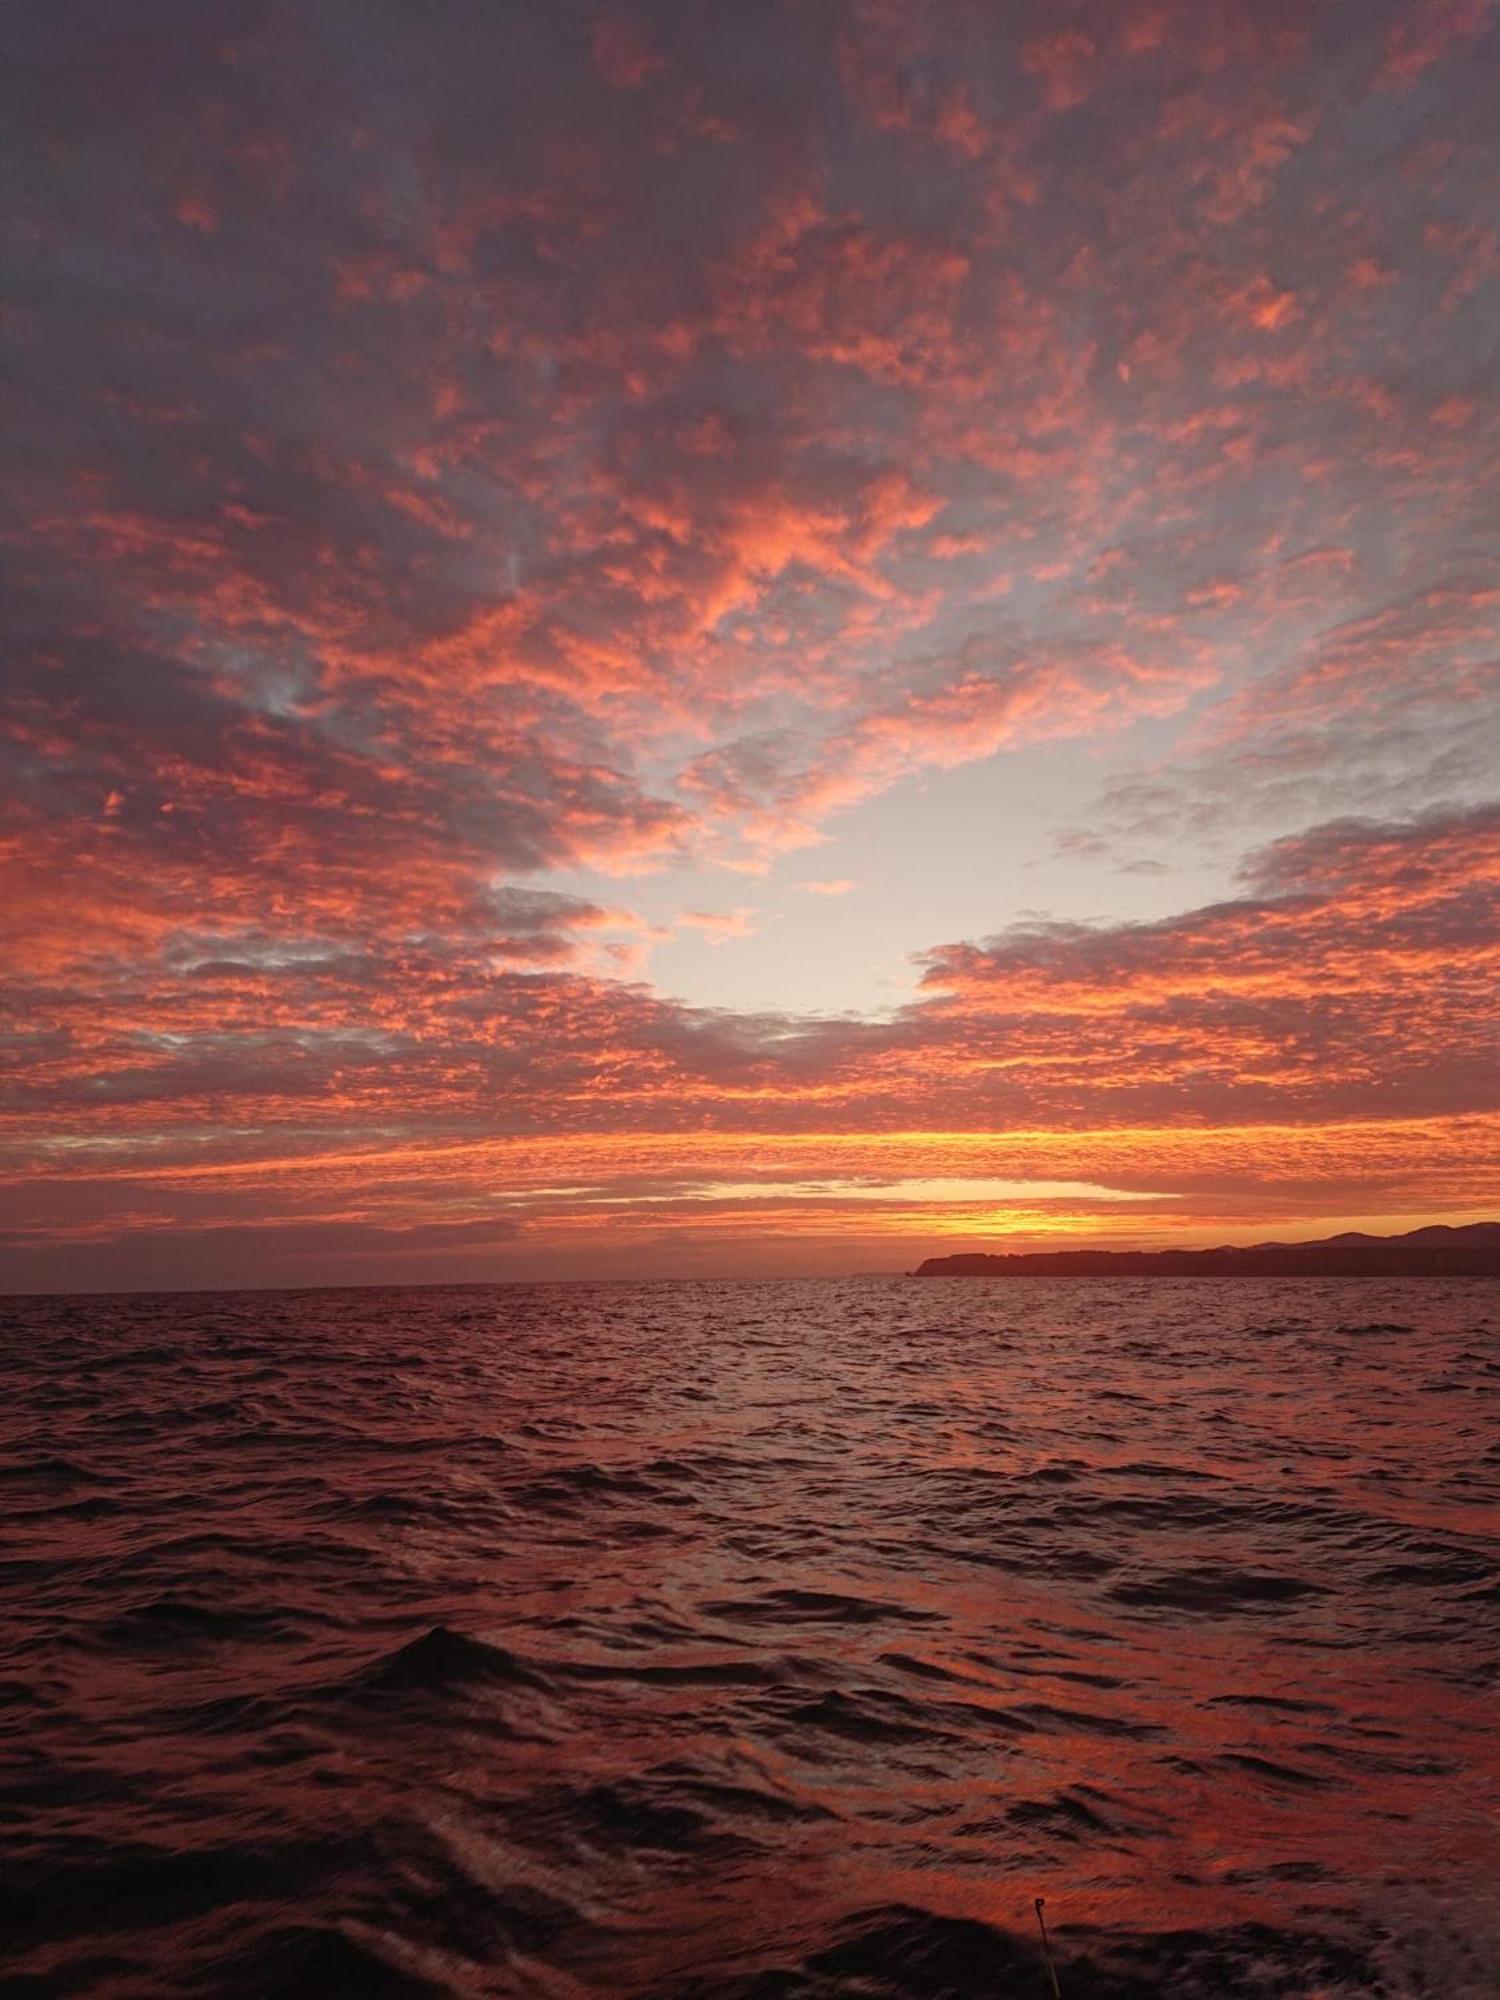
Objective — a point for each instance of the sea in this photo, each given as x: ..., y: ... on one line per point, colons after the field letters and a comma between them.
x: 763, y: 1641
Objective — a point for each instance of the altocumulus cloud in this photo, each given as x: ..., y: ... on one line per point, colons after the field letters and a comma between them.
x: 425, y: 481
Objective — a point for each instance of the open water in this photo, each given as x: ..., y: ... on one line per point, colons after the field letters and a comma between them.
x: 753, y: 1640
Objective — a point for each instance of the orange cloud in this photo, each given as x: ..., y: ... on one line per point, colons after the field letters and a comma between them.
x: 425, y: 484
x: 1239, y: 1054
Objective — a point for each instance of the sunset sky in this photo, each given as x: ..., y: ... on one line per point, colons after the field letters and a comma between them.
x: 754, y: 637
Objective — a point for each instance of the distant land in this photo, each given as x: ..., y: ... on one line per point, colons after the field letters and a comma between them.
x: 1472, y: 1251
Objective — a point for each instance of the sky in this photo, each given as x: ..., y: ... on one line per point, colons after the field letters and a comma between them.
x: 749, y: 638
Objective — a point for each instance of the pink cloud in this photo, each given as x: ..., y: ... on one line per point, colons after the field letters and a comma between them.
x: 622, y: 54
x: 1238, y: 1053
x: 1426, y: 35
x: 1063, y: 65
x: 424, y: 481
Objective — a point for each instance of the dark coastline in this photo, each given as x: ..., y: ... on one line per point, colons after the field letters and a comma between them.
x: 1436, y: 1252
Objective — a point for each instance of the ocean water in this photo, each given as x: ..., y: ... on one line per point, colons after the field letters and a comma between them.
x: 693, y: 1640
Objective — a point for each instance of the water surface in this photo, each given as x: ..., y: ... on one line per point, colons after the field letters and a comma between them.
x: 756, y: 1640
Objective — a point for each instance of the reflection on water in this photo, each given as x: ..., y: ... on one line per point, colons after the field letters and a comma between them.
x: 770, y: 1639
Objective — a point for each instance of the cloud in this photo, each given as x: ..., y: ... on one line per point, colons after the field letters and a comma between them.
x: 1295, y: 995
x: 570, y: 505
x: 1417, y: 41
x: 1264, y: 1048
x: 621, y: 54
x: 427, y: 486
x: 541, y: 926
x: 1393, y: 708
x: 781, y: 787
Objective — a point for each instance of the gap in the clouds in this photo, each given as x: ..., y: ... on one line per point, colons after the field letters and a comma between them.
x: 942, y: 1192
x: 950, y: 855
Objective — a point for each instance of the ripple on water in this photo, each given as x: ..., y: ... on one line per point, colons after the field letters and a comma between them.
x: 779, y: 1640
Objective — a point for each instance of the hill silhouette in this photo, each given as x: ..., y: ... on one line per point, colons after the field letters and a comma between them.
x: 1469, y: 1251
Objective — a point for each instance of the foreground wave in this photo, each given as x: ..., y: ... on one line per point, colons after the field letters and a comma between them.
x: 754, y: 1640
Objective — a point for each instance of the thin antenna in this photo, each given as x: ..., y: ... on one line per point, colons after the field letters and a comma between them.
x: 1041, y: 1924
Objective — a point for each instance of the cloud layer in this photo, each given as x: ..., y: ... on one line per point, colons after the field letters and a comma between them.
x: 465, y: 448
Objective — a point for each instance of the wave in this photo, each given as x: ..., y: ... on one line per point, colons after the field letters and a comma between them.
x: 578, y: 1642
x: 441, y: 1659
x: 902, y: 1952
x: 1211, y: 1591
